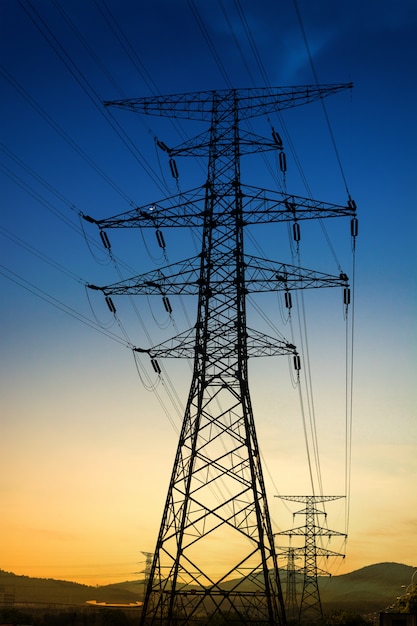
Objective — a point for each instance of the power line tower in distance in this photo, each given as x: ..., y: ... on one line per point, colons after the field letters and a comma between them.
x: 310, y: 604
x: 291, y: 606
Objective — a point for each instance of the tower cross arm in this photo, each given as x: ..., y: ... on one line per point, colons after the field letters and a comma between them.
x: 178, y: 278
x: 252, y: 102
x: 317, y: 530
x: 265, y: 275
x: 183, y: 346
x: 185, y: 209
x: 309, y: 499
x: 301, y: 550
x: 178, y: 347
x: 260, y: 344
x: 261, y: 206
x: 261, y: 275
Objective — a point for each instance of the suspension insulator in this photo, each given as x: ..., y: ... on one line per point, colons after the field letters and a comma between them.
x: 346, y: 296
x: 162, y: 145
x: 282, y: 162
x: 105, y: 239
x: 87, y: 218
x: 351, y: 204
x: 288, y: 300
x: 173, y: 168
x: 276, y: 137
x: 296, y: 231
x: 160, y: 239
x: 297, y: 362
x: 354, y: 226
x: 155, y: 366
x: 167, y: 304
x: 110, y: 304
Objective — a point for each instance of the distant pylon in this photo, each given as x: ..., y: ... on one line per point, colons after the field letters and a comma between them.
x: 310, y: 605
x: 291, y: 607
x: 148, y: 563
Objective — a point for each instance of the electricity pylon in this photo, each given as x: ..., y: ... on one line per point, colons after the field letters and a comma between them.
x: 148, y: 562
x: 215, y: 560
x: 310, y: 605
x: 291, y: 607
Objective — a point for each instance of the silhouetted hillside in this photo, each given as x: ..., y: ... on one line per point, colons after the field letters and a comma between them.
x: 47, y: 590
x: 369, y: 589
x: 366, y: 590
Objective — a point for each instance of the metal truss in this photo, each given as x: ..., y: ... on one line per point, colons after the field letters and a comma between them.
x: 216, y: 501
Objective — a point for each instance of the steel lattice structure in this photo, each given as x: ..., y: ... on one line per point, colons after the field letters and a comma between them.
x: 291, y: 607
x: 310, y: 605
x: 216, y: 495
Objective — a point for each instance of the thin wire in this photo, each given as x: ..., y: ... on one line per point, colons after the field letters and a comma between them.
x: 138, y: 65
x: 251, y: 42
x: 43, y: 295
x: 87, y: 46
x: 236, y: 41
x: 313, y: 425
x: 310, y: 470
x: 349, y: 384
x: 21, y: 183
x: 47, y: 259
x: 127, y: 47
x: 209, y: 42
x: 349, y: 414
x: 61, y: 306
x: 303, y: 333
x: 313, y: 69
x: 89, y: 91
x: 154, y: 390
x: 63, y: 134
x: 27, y: 246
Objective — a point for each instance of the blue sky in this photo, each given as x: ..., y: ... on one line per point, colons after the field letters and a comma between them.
x: 80, y: 433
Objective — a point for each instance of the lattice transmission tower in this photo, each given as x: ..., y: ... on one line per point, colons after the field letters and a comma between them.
x: 291, y: 606
x: 310, y: 607
x: 216, y: 500
x: 148, y: 564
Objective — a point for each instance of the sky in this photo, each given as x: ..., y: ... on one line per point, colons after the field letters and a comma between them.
x: 88, y: 435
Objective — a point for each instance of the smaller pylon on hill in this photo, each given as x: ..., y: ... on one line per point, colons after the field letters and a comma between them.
x: 310, y: 606
x: 291, y: 606
x: 148, y: 563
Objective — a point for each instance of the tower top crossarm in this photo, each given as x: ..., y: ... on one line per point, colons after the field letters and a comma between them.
x: 310, y: 499
x: 252, y: 101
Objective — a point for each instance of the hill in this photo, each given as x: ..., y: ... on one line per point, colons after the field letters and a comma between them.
x: 49, y: 591
x: 366, y: 590
x: 372, y: 588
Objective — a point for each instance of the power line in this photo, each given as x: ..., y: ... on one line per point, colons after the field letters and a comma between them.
x: 209, y: 42
x: 63, y: 134
x: 86, y: 86
x: 46, y: 297
x: 313, y: 69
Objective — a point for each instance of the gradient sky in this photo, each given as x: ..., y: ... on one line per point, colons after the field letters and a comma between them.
x: 86, y: 448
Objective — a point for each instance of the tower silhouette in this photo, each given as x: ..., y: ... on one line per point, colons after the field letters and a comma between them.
x: 310, y: 604
x: 291, y: 607
x: 216, y: 501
